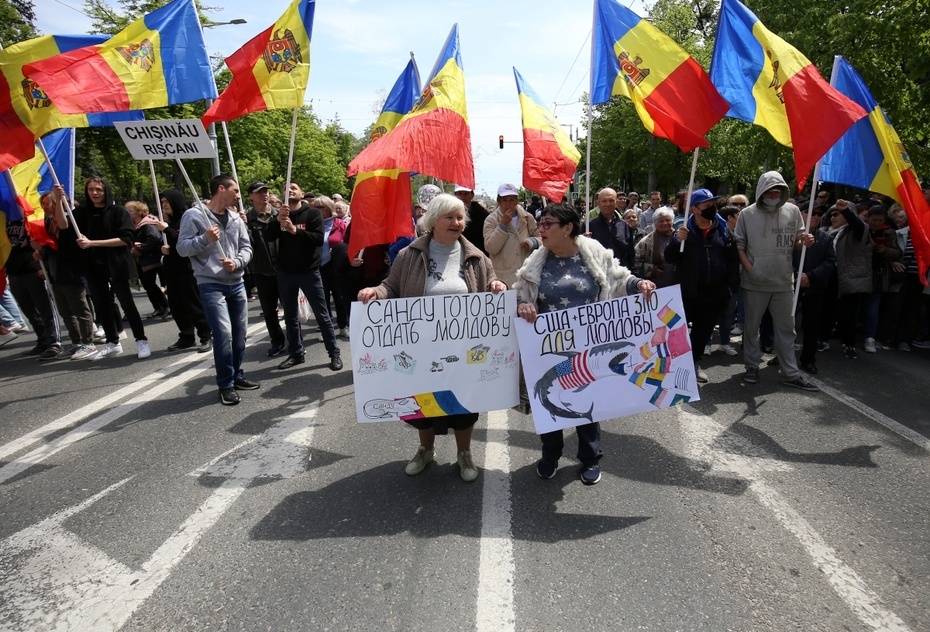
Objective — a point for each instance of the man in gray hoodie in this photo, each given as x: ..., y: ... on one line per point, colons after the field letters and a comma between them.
x: 217, y: 243
x: 767, y: 233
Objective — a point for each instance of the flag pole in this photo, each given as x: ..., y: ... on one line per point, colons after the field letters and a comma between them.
x: 290, y: 158
x: 198, y: 203
x: 51, y: 169
x: 161, y: 216
x: 232, y: 165
x: 694, y: 161
x: 587, y: 186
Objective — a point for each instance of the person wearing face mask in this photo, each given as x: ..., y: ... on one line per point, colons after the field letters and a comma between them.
x: 767, y: 233
x: 707, y: 269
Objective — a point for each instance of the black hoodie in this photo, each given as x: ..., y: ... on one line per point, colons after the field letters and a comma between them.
x: 175, y: 264
x: 112, y: 220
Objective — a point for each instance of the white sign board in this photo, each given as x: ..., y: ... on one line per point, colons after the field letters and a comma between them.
x: 606, y: 360
x: 166, y: 139
x: 431, y: 356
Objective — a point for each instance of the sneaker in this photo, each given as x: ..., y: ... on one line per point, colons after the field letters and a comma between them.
x: 229, y: 397
x: 51, y: 353
x: 9, y: 336
x: 700, y: 375
x: 591, y: 474
x: 84, y: 352
x: 122, y: 335
x: 291, y: 360
x: 767, y: 349
x: 344, y: 333
x: 205, y: 345
x: 751, y: 376
x: 903, y: 346
x: 68, y: 353
x: 99, y: 334
x: 730, y: 350
x: 35, y: 351
x: 110, y: 350
x: 180, y: 345
x: 921, y: 344
x: 869, y: 345
x: 419, y: 461
x: 275, y: 350
x: 809, y: 367
x: 823, y: 345
x: 143, y: 348
x: 467, y: 469
x: 20, y: 328
x: 546, y: 469
x: 772, y: 361
x: 243, y: 384
x: 335, y: 363
x: 737, y: 331
x: 799, y: 382
x: 708, y: 349
x: 850, y: 352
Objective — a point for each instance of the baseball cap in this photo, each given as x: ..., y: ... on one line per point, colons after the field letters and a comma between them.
x: 257, y: 186
x: 505, y: 190
x: 309, y: 195
x: 702, y: 195
x: 459, y: 187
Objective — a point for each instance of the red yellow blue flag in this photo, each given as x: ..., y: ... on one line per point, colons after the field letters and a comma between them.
x: 549, y: 157
x: 769, y: 83
x: 26, y: 112
x: 272, y: 70
x: 433, y: 138
x: 870, y: 156
x: 381, y: 208
x: 673, y: 96
x: 158, y: 60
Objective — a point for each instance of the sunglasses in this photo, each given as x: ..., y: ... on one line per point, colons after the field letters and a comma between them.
x: 816, y: 214
x: 739, y: 204
x: 547, y: 224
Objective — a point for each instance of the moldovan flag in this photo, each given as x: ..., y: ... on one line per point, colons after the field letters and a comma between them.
x: 158, y: 60
x: 870, y: 156
x: 271, y: 71
x: 381, y: 207
x: 771, y: 84
x: 549, y: 158
x: 672, y: 94
x: 433, y: 138
x: 26, y: 113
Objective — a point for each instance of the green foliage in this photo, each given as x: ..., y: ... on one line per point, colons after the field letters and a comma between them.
x: 16, y: 21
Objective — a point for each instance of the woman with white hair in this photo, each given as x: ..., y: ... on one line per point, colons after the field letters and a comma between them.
x: 440, y: 262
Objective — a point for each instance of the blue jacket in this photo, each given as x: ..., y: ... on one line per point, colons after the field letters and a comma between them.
x: 709, y: 262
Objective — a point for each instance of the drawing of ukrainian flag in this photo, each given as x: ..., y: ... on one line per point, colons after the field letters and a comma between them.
x: 669, y: 316
x: 437, y: 404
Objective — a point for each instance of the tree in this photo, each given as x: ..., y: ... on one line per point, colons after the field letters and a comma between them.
x: 17, y: 19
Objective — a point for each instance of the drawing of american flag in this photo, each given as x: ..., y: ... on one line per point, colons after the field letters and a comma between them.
x: 573, y: 373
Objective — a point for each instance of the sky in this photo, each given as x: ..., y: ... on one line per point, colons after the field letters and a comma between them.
x: 360, y: 47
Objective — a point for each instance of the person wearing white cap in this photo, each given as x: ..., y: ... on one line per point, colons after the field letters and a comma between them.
x: 510, y: 234
x: 477, y: 214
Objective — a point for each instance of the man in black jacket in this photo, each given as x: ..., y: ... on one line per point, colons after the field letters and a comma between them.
x: 264, y: 264
x: 609, y: 229
x: 299, y: 233
x: 819, y: 264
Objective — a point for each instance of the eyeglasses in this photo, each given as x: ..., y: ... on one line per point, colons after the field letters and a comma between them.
x: 816, y: 214
x: 739, y: 204
x: 547, y: 224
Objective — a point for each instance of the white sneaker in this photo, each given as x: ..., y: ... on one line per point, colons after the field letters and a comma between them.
x: 142, y: 346
x: 110, y: 350
x: 736, y: 331
x: 8, y: 337
x: 869, y: 345
x: 344, y: 333
x: 84, y: 352
x: 122, y: 335
x: 730, y: 350
x: 708, y: 350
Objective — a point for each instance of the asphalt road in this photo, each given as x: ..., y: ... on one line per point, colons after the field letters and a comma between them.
x: 130, y: 499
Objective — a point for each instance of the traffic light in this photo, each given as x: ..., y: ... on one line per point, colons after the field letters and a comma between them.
x: 501, y: 139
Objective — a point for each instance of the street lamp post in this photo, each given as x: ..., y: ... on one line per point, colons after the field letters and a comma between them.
x: 211, y: 129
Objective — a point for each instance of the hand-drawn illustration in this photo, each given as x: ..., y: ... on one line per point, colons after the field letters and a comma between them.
x: 436, y: 404
x: 436, y: 368
x: 490, y: 376
x: 477, y: 354
x: 367, y: 364
x: 404, y: 363
x: 450, y: 359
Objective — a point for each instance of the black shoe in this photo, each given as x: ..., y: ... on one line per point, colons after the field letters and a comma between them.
x: 275, y: 350
x: 181, y: 345
x: 335, y: 363
x: 545, y: 469
x: 35, y: 351
x: 809, y: 367
x: 766, y: 349
x: 52, y: 353
x: 772, y: 361
x: 291, y: 360
x: 205, y: 345
x: 243, y: 384
x: 229, y: 397
x: 590, y: 474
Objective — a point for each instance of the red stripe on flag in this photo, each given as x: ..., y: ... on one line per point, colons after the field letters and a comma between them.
x: 18, y: 142
x: 686, y: 106
x: 89, y: 86
x: 382, y: 212
x: 818, y: 115
x: 546, y: 170
x: 918, y: 218
x: 243, y: 94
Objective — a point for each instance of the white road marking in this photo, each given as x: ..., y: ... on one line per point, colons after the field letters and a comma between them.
x: 701, y: 435
x: 883, y: 420
x: 496, y: 566
x: 53, y: 580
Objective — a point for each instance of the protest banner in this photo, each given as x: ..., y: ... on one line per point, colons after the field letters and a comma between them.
x: 430, y: 356
x: 608, y: 359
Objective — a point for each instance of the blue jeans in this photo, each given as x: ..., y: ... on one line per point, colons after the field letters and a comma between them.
x: 312, y: 285
x: 226, y: 309
x: 10, y: 316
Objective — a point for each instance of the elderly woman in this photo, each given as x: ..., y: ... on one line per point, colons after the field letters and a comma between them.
x: 650, y: 251
x: 510, y: 234
x: 578, y: 272
x: 440, y: 262
x: 333, y: 256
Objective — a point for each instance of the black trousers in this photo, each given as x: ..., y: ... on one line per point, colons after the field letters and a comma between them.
x: 187, y: 308
x: 703, y: 310
x: 100, y: 289
x: 267, y: 287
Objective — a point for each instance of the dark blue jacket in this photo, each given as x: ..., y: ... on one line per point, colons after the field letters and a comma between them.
x: 709, y: 262
x: 616, y: 236
x: 819, y: 262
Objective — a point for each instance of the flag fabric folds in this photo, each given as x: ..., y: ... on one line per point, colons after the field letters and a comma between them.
x: 271, y: 70
x: 549, y: 158
x: 673, y: 96
x: 158, y: 60
x: 433, y: 138
x: 26, y: 112
x: 381, y: 207
x: 771, y: 84
x: 871, y: 156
